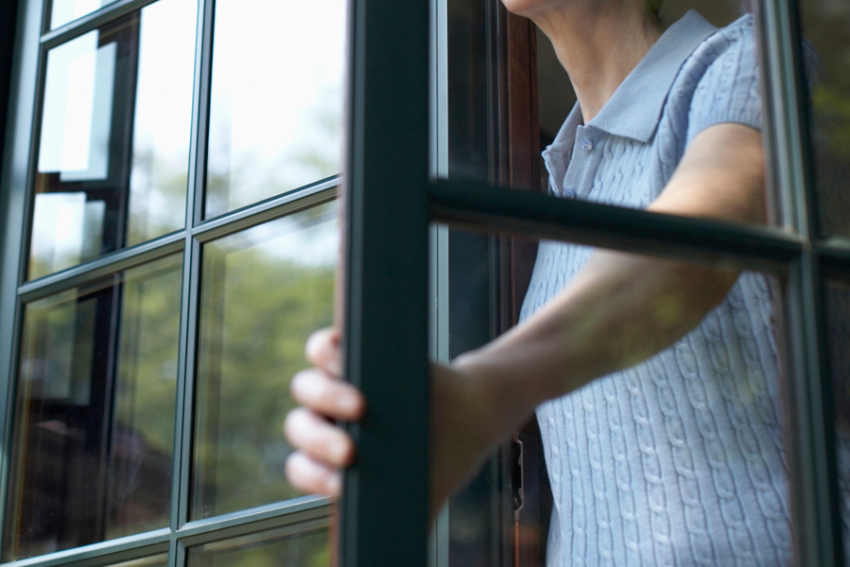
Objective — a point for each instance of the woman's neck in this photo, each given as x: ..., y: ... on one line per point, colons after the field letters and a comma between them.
x: 598, y: 43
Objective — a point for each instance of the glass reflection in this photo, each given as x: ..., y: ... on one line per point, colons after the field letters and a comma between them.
x: 95, y: 412
x: 296, y: 546
x: 276, y: 102
x: 65, y: 11
x: 263, y: 292
x: 827, y: 60
x: 114, y: 149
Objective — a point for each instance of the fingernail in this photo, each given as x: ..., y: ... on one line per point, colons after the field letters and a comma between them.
x: 333, y: 484
x: 334, y: 367
x: 337, y: 449
x: 346, y: 402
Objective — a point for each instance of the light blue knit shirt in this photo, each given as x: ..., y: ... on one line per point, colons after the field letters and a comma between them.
x: 678, y: 460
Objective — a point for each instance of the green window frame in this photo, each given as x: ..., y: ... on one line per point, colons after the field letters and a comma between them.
x: 31, y: 44
x: 391, y: 199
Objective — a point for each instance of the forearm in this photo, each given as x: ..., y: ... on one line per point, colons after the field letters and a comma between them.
x: 618, y: 311
x: 621, y: 309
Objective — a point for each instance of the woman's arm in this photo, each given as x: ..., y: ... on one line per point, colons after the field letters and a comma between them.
x: 619, y: 310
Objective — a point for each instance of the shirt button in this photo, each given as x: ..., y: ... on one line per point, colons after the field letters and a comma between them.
x: 586, y: 144
x: 569, y: 192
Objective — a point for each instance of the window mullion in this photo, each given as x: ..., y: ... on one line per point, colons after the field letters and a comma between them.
x: 809, y: 419
x: 385, y: 497
x: 181, y: 481
x: 810, y: 438
x: 13, y: 204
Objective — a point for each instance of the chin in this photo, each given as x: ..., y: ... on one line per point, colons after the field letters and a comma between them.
x: 528, y: 8
x: 525, y: 7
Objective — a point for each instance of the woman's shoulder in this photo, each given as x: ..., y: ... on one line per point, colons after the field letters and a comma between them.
x: 726, y: 60
x: 719, y: 82
x: 731, y: 46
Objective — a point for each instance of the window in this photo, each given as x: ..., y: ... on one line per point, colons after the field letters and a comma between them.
x: 161, y: 244
x: 382, y: 324
x: 174, y: 223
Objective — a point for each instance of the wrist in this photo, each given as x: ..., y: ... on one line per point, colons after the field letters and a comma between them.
x: 502, y: 395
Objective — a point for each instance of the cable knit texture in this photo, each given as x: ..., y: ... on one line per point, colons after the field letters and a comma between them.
x: 678, y: 460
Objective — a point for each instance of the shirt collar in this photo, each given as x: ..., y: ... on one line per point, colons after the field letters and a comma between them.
x: 635, y: 108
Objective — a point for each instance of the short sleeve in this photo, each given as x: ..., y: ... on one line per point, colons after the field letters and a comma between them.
x: 729, y: 90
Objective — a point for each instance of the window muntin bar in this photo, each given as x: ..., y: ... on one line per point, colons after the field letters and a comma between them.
x: 216, y: 228
x: 300, y: 544
x: 104, y: 553
x: 307, y: 509
x: 65, y: 11
x: 267, y: 210
x: 110, y: 11
x: 491, y: 208
x: 253, y: 520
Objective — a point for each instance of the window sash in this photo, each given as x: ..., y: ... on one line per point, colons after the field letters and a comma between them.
x: 404, y: 212
x: 31, y: 48
x: 813, y: 486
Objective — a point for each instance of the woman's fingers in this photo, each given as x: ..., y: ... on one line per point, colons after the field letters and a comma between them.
x: 322, y: 448
x: 319, y: 439
x: 323, y: 351
x: 328, y: 396
x: 308, y: 475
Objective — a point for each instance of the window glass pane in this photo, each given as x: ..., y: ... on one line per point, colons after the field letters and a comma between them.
x: 470, y: 114
x: 670, y: 451
x: 827, y: 60
x: 294, y: 546
x: 94, y: 421
x: 263, y: 292
x: 64, y: 11
x: 837, y: 303
x: 115, y: 128
x: 275, y: 116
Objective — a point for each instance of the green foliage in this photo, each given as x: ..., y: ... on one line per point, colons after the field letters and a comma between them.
x: 306, y: 549
x: 832, y: 115
x: 258, y: 311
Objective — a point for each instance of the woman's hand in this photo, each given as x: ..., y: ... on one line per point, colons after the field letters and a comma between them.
x: 322, y: 448
x: 463, y: 423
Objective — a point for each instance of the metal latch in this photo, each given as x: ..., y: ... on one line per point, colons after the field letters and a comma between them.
x: 517, y: 475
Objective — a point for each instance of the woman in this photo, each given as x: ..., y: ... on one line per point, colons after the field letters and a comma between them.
x: 654, y: 381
